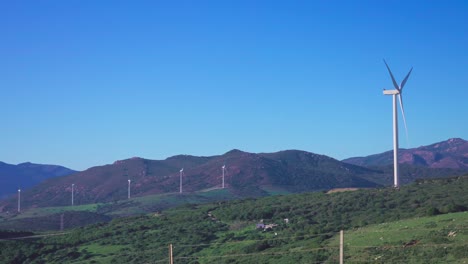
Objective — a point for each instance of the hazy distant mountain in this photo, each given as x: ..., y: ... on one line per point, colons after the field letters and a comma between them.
x: 248, y: 174
x: 25, y: 175
x: 452, y: 153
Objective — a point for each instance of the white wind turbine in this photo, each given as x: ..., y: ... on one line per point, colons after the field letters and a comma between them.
x: 128, y: 191
x: 19, y: 200
x: 73, y: 189
x: 180, y: 185
x: 224, y: 169
x: 398, y: 91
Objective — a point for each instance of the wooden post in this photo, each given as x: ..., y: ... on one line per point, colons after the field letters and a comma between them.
x: 171, y: 259
x: 341, y: 246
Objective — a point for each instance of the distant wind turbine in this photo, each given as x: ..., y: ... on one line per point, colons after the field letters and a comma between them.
x: 129, y: 181
x: 73, y: 187
x: 398, y: 91
x: 180, y: 184
x: 19, y: 200
x: 224, y: 169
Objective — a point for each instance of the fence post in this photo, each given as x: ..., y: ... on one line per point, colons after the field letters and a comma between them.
x: 341, y: 246
x: 171, y: 259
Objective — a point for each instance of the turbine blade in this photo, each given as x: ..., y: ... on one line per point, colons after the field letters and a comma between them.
x: 403, y: 114
x: 393, y: 78
x: 406, y: 79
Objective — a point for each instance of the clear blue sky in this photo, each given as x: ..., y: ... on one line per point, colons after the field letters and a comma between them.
x: 85, y: 83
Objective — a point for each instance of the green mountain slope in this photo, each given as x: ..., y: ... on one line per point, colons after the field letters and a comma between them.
x: 226, y: 232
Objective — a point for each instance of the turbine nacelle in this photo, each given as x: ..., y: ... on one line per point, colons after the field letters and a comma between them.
x: 391, y: 92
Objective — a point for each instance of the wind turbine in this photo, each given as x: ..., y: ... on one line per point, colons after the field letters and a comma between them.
x: 73, y: 187
x: 224, y: 169
x: 129, y: 181
x: 19, y: 200
x: 180, y: 185
x: 397, y: 92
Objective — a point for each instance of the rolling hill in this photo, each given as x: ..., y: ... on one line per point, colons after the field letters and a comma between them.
x: 26, y: 175
x: 452, y: 153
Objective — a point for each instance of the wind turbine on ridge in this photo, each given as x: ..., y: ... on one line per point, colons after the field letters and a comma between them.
x: 224, y: 169
x: 180, y: 185
x: 19, y: 200
x: 397, y: 92
x: 128, y: 192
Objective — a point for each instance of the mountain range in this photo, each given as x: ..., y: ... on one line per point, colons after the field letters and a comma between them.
x: 452, y: 153
x: 26, y: 175
x: 247, y: 175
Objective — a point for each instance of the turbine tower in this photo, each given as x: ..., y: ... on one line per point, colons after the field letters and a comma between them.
x: 73, y: 188
x: 19, y: 200
x: 224, y: 169
x: 180, y: 185
x: 397, y: 92
x: 129, y: 181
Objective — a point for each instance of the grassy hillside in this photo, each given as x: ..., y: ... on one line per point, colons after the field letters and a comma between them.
x: 435, y: 239
x: 225, y: 232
